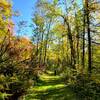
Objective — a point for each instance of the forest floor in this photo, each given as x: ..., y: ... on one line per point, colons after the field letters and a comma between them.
x: 50, y: 87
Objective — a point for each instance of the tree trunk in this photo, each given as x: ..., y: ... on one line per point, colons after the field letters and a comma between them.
x: 83, y: 41
x: 73, y: 58
x: 47, y: 37
x: 89, y: 37
x: 77, y: 35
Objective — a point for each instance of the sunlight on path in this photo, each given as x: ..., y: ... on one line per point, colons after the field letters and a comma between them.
x: 47, y: 77
x: 50, y: 88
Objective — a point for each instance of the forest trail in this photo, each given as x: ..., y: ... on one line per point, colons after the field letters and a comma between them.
x: 50, y: 87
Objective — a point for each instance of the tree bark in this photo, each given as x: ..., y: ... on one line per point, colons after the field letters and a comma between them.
x: 83, y: 41
x: 89, y: 37
x: 73, y: 58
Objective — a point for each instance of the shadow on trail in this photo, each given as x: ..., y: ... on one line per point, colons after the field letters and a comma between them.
x: 56, y: 94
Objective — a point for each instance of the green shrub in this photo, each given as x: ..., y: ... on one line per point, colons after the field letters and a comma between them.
x: 86, y: 89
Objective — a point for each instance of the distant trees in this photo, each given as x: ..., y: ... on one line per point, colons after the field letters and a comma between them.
x: 76, y: 27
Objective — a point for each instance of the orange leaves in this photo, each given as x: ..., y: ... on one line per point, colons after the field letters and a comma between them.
x: 20, y: 48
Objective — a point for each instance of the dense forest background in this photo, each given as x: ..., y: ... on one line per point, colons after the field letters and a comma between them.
x: 64, y: 48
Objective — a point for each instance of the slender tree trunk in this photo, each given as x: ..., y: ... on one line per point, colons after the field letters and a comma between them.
x: 83, y: 41
x: 47, y: 37
x: 77, y: 35
x: 73, y: 58
x: 45, y: 52
x: 63, y: 52
x: 41, y: 47
x: 37, y: 45
x: 89, y: 37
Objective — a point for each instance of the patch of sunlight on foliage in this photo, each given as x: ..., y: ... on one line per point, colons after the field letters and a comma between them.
x: 49, y: 72
x: 46, y: 77
x: 30, y: 96
x: 3, y: 95
x: 96, y: 78
x: 49, y: 87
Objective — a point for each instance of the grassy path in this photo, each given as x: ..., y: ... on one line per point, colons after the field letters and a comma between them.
x: 50, y: 88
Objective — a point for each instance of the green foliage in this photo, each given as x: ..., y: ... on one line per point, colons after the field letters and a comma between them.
x: 59, y: 29
x: 86, y: 88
